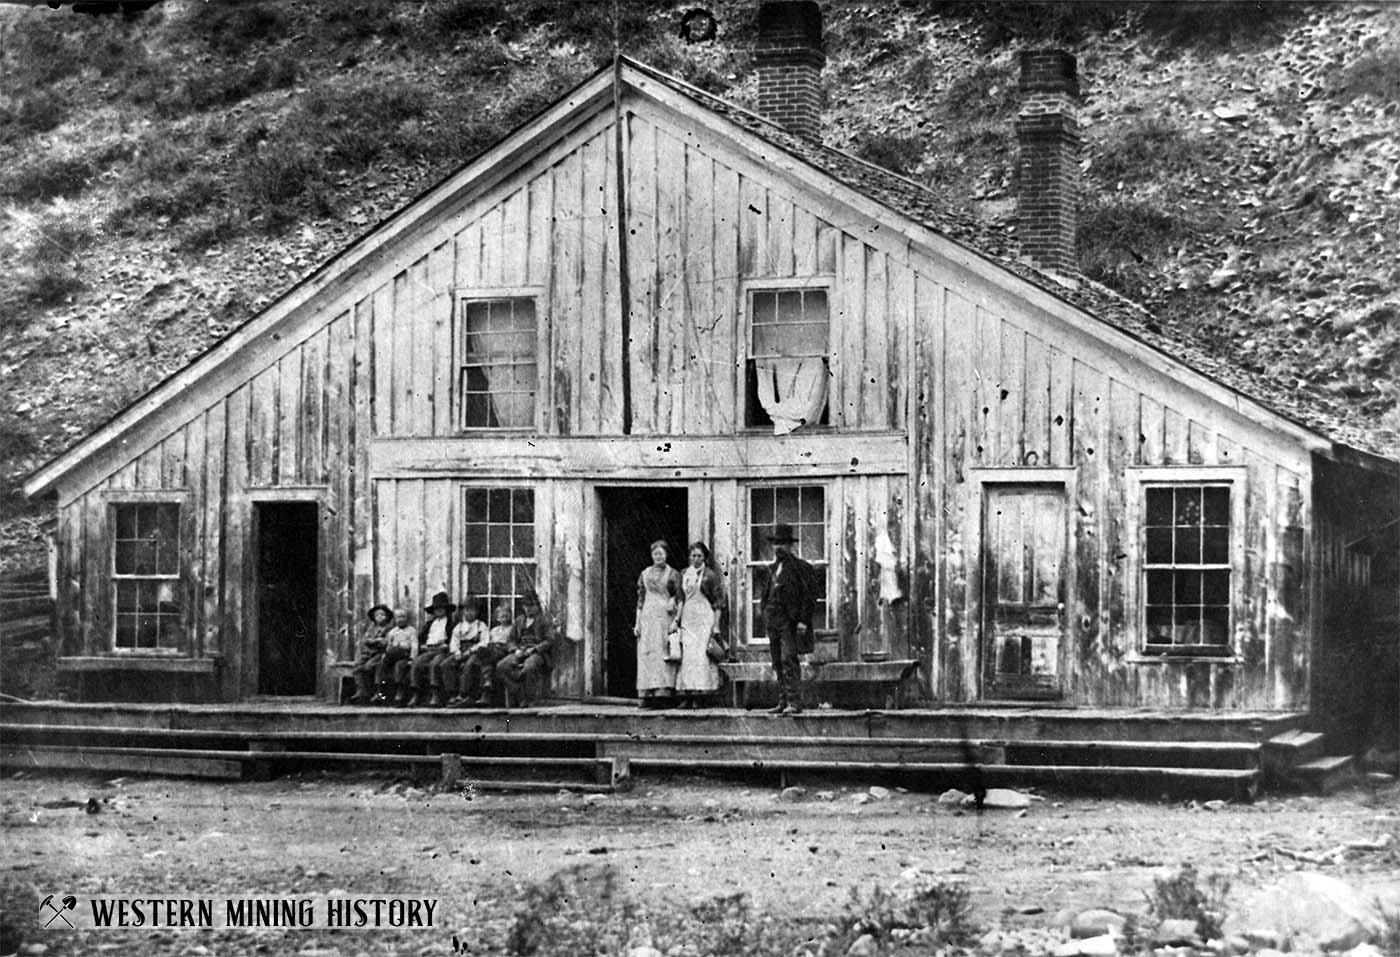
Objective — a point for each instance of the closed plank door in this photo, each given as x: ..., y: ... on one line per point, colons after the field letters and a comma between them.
x: 1023, y: 590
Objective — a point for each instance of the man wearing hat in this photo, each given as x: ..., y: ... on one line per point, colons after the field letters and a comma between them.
x: 433, y: 644
x: 788, y: 602
x: 533, y: 654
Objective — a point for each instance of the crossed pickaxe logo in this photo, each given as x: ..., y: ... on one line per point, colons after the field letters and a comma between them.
x: 68, y: 903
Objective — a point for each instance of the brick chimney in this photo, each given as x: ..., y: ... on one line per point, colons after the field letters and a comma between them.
x: 1047, y: 129
x: 790, y: 60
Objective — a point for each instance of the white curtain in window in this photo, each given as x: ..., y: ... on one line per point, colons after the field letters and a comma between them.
x: 792, y: 391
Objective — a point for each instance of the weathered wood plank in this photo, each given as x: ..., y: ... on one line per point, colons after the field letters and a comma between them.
x: 291, y: 424
x: 758, y: 455
x: 1090, y: 434
x: 241, y: 677
x: 1061, y: 408
x: 215, y: 518
x: 337, y: 471
x: 438, y: 304
x: 726, y: 335
x: 419, y: 377
x: 592, y: 257
x: 875, y: 342
x: 567, y: 244
x: 1174, y: 441
x: 671, y: 317
x: 703, y: 354
x: 261, y: 433
x: 778, y: 241
x: 192, y: 541
x: 1009, y: 412
x: 849, y: 370
x: 400, y: 331
x: 1034, y: 446
x: 380, y: 323
x: 361, y: 401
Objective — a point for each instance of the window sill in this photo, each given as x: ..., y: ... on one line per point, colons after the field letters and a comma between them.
x: 1223, y: 657
x: 128, y: 662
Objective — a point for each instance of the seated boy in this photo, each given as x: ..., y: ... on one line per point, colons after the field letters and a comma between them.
x: 400, y: 645
x: 534, y: 640
x: 476, y: 686
x: 434, y: 639
x: 373, y: 641
x: 469, y: 633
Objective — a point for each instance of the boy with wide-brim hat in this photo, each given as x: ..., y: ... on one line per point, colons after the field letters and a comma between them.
x: 373, y: 641
x: 788, y: 601
x: 433, y: 644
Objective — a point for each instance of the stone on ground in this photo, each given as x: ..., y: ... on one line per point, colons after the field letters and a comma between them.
x: 1096, y: 923
x: 1175, y: 931
x: 1005, y: 799
x: 792, y: 794
x: 1312, y: 907
x: 953, y: 796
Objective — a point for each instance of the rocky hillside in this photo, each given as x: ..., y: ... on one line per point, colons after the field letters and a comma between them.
x: 162, y: 176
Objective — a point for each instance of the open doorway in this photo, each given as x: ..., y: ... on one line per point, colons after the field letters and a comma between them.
x: 633, y: 518
x: 288, y: 561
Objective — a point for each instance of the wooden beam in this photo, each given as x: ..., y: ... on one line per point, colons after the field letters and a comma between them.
x: 673, y: 458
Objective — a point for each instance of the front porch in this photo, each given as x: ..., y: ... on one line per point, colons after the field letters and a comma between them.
x: 1146, y: 753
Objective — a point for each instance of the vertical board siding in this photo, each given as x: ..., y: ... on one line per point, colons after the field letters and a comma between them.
x: 1014, y: 397
x: 978, y: 382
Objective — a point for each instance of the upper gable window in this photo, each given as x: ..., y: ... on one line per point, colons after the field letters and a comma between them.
x: 789, y: 331
x: 499, y: 365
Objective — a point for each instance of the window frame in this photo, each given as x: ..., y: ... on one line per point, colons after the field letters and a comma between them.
x: 824, y: 284
x: 463, y: 299
x: 1140, y: 480
x: 129, y: 498
x: 751, y: 561
x: 464, y: 560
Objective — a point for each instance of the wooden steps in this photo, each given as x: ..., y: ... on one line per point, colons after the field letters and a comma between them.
x: 1298, y: 760
x: 597, y: 746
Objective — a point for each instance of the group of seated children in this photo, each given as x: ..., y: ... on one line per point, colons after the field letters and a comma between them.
x: 453, y: 660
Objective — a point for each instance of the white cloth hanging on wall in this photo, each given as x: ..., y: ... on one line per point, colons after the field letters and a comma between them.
x: 792, y: 391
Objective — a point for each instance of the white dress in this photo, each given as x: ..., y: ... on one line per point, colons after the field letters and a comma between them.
x: 699, y: 619
x: 656, y: 610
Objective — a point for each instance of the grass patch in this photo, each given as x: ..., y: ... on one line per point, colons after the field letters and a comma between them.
x: 212, y: 85
x: 43, y: 246
x: 231, y: 27
x: 32, y: 113
x: 1143, y: 149
x: 1186, y: 896
x: 1119, y: 237
x: 1376, y: 74
x: 587, y: 910
x: 928, y: 912
x: 894, y: 151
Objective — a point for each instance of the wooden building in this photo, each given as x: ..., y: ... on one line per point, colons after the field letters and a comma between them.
x: 650, y: 312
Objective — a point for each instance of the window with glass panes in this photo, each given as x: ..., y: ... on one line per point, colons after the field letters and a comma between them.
x: 784, y: 324
x: 146, y: 577
x: 1187, y: 567
x: 804, y: 508
x: 499, y: 370
x: 498, y: 554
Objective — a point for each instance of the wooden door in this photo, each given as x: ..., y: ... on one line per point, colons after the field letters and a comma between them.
x: 1023, y: 589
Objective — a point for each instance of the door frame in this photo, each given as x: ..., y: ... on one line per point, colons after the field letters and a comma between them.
x: 252, y: 640
x: 978, y: 479
x: 596, y: 530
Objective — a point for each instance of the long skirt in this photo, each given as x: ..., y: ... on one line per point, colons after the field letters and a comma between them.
x: 697, y: 673
x: 655, y: 675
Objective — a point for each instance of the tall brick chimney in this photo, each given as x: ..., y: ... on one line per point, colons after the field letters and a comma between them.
x: 1047, y: 129
x: 790, y: 60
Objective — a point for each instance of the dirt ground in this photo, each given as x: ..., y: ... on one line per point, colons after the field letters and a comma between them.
x: 670, y: 840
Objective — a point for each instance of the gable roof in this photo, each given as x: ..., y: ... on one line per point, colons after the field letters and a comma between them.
x: 1324, y: 419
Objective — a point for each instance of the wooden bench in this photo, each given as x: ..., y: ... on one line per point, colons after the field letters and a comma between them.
x: 889, y: 675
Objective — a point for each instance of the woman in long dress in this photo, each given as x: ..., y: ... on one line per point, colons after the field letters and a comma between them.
x: 702, y: 616
x: 658, y: 601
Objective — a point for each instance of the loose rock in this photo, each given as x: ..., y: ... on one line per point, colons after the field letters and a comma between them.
x: 953, y: 796
x: 864, y: 946
x: 1311, y: 906
x: 1177, y: 932
x: 879, y: 793
x: 1096, y: 923
x: 1004, y: 799
x: 792, y: 794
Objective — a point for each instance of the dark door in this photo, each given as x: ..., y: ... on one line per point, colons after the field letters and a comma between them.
x: 286, y: 587
x: 633, y: 518
x: 1023, y: 590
